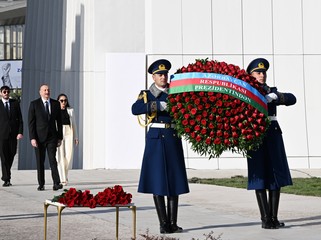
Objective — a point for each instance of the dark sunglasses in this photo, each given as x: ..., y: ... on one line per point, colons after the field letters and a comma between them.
x: 5, y: 91
x: 63, y: 100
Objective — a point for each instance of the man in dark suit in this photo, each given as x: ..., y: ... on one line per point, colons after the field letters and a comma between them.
x: 45, y: 132
x: 10, y: 131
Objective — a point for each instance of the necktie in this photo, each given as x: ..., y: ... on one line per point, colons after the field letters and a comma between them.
x: 47, y: 109
x: 7, y: 108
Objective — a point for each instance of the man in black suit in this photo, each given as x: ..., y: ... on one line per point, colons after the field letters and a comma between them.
x: 45, y: 132
x: 10, y: 131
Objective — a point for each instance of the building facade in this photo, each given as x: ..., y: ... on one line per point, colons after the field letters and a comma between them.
x: 97, y: 52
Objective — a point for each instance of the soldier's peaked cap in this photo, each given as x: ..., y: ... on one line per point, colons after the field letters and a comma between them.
x: 160, y: 66
x: 258, y: 65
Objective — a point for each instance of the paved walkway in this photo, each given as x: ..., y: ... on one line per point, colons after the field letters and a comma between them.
x: 229, y: 213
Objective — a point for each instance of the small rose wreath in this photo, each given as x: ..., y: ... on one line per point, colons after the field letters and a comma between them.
x: 109, y: 196
x: 218, y: 107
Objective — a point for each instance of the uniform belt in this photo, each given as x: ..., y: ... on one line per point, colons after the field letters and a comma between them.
x: 273, y: 118
x: 162, y: 125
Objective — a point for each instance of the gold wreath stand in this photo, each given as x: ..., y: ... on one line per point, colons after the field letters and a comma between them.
x: 61, y: 207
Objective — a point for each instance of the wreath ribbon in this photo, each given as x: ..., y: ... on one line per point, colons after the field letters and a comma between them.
x: 214, y: 82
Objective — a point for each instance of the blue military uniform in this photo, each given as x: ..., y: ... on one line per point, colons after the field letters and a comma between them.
x: 268, y: 167
x: 163, y: 171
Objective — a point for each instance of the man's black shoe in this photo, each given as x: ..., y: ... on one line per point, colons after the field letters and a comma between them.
x: 41, y: 188
x: 57, y: 187
x: 6, y: 184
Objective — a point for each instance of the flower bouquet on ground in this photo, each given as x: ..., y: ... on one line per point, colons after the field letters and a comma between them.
x: 218, y: 107
x: 109, y: 197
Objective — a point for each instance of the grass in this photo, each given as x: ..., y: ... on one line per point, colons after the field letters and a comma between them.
x: 301, y: 186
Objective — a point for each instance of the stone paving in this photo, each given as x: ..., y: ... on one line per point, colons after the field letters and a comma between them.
x: 229, y: 213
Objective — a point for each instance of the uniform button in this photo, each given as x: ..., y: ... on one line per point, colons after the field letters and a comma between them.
x: 163, y: 136
x: 174, y: 135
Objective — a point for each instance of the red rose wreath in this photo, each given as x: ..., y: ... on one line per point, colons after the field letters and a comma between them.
x: 218, y: 107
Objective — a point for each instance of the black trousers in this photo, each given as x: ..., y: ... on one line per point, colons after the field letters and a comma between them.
x: 8, y: 149
x: 50, y: 145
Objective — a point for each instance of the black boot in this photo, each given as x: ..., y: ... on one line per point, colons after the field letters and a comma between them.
x: 264, y: 208
x: 161, y: 213
x: 274, y: 199
x: 172, y: 209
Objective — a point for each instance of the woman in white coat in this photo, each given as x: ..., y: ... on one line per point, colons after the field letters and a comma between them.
x: 65, y: 151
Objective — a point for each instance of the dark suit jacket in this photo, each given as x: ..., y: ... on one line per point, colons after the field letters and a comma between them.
x: 39, y: 125
x: 13, y: 124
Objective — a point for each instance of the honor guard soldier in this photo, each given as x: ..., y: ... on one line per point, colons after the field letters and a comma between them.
x: 268, y: 168
x: 163, y: 171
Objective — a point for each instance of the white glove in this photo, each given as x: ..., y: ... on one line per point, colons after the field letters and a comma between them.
x: 270, y: 97
x: 163, y: 105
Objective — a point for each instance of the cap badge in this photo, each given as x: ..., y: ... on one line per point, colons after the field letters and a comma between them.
x: 161, y: 67
x: 261, y: 65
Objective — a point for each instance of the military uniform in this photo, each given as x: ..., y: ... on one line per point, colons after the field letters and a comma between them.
x: 163, y: 168
x: 268, y: 167
x: 163, y: 171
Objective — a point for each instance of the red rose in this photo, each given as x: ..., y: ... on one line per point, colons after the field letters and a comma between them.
x: 186, y: 116
x: 217, y: 141
x: 200, y: 107
x: 225, y: 97
x: 235, y: 135
x: 249, y: 137
x: 204, y: 114
x: 226, y: 142
x: 197, y: 128
x: 185, y: 122
x: 197, y: 101
x: 219, y: 103
x: 203, y: 131
x: 219, y: 133
x: 198, y: 118
x: 226, y: 134
x: 192, y: 122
